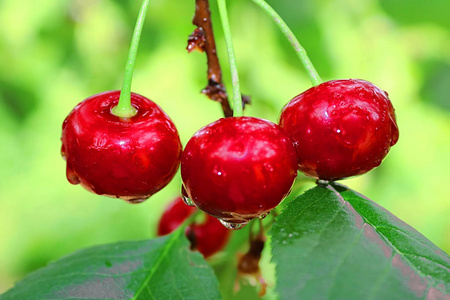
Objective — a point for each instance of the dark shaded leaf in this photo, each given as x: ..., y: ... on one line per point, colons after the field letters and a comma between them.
x: 418, y: 11
x: 436, y: 87
x: 333, y: 243
x: 162, y: 268
x: 19, y: 101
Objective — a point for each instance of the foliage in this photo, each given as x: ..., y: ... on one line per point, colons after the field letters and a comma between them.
x: 162, y: 268
x: 329, y: 243
x: 333, y: 243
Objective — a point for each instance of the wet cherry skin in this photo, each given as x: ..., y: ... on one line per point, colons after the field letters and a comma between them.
x: 208, y: 237
x: 238, y: 168
x: 340, y: 128
x: 128, y: 158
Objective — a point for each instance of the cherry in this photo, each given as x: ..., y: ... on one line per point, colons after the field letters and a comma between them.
x: 238, y: 168
x: 128, y: 158
x: 208, y: 237
x: 340, y: 128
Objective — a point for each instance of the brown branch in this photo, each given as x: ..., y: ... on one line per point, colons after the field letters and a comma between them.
x: 248, y: 264
x: 202, y: 39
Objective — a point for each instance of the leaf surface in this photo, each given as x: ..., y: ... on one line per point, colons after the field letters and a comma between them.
x: 162, y: 268
x: 417, y: 11
x: 333, y: 243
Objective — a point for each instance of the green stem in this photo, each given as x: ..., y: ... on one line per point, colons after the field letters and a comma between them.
x: 124, y: 109
x: 237, y: 97
x: 301, y: 52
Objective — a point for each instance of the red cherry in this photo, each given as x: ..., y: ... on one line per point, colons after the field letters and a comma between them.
x: 128, y: 158
x: 340, y: 128
x: 208, y: 237
x: 239, y: 168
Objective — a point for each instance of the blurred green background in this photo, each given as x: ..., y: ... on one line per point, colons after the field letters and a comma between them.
x: 55, y: 53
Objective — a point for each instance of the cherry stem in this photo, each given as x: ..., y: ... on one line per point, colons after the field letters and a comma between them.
x: 301, y: 52
x: 261, y: 227
x: 237, y: 97
x: 124, y: 109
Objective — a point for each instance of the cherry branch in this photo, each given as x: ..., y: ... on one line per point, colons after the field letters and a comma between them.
x: 202, y: 40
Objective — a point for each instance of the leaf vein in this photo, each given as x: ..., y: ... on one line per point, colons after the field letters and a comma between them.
x: 340, y: 263
x: 424, y: 257
x: 386, y: 239
x: 152, y: 272
x: 299, y: 215
x: 381, y: 279
x: 323, y: 229
x: 406, y: 234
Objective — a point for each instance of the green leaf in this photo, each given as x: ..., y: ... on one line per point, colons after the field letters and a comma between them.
x: 418, y: 11
x: 333, y: 243
x: 162, y: 268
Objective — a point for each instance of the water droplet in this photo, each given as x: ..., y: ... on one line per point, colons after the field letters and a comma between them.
x: 231, y: 225
x: 188, y: 201
x: 337, y: 96
x: 63, y: 152
x: 218, y: 171
x: 263, y: 216
x: 72, y: 177
x: 394, y: 132
x: 322, y: 182
x: 268, y: 167
x: 134, y: 200
x: 360, y: 91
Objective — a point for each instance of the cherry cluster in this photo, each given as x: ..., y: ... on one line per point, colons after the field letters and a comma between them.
x: 121, y: 144
x: 235, y: 169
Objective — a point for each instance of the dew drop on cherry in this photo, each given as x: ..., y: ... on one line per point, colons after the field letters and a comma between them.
x: 394, y: 130
x: 134, y: 200
x: 63, y: 152
x: 72, y: 177
x: 188, y: 201
x: 322, y: 182
x: 231, y: 225
x: 263, y: 215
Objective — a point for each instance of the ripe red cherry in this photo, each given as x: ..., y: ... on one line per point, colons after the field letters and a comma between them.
x: 239, y: 168
x: 208, y: 237
x: 340, y: 128
x: 128, y: 158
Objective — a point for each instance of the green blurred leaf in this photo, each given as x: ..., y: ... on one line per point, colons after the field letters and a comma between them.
x: 436, y: 87
x: 18, y: 100
x: 333, y: 243
x: 418, y: 11
x: 162, y: 268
